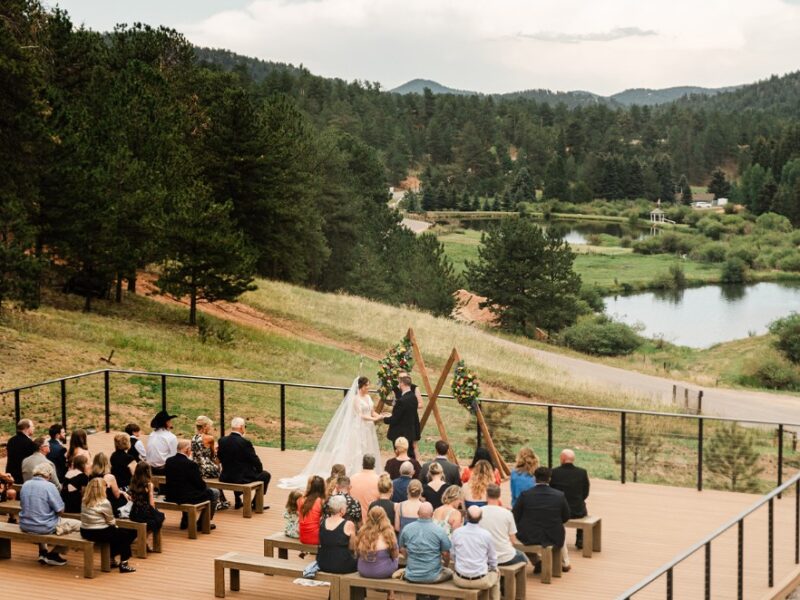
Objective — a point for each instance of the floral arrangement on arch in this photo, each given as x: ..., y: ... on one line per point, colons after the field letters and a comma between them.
x: 466, y: 389
x: 399, y: 358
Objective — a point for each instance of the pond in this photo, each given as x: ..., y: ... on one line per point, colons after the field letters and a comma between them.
x: 574, y: 232
x: 703, y: 316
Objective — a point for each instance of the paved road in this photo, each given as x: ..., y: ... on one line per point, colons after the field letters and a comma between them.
x: 726, y: 402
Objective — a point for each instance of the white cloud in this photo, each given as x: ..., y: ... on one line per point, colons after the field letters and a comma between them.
x: 600, y: 45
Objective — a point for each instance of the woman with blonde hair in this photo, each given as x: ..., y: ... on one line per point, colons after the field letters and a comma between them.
x: 122, y: 463
x: 384, y: 501
x: 392, y: 466
x: 101, y: 469
x: 337, y: 470
x: 407, y: 511
x: 204, y: 453
x: 98, y: 525
x: 448, y: 516
x: 436, y: 485
x: 522, y: 476
x: 475, y: 490
x: 376, y: 546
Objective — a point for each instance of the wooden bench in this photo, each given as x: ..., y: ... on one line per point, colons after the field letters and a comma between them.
x: 550, y: 557
x: 236, y: 562
x: 514, y: 581
x: 355, y: 587
x: 202, y: 509
x: 250, y: 491
x: 592, y: 528
x: 283, y: 544
x: 10, y: 532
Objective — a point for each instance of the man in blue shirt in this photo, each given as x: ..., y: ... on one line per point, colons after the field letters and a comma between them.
x: 426, y: 548
x: 41, y: 507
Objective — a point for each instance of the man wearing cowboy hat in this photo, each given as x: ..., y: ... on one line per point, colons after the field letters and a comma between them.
x: 162, y: 443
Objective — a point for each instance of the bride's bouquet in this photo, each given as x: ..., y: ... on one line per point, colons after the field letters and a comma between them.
x: 400, y: 358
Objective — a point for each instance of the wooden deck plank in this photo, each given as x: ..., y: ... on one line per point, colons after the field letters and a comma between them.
x: 643, y: 527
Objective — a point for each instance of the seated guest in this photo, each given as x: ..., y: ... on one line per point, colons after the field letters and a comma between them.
x: 385, y: 491
x: 448, y: 515
x: 364, y: 484
x: 143, y: 509
x: 426, y: 549
x: 240, y: 463
x: 435, y: 486
x: 20, y: 447
x: 574, y: 482
x: 336, y: 539
x: 162, y: 443
x: 376, y: 546
x: 401, y: 483
x: 137, y: 450
x: 40, y: 512
x: 184, y: 483
x: 475, y: 489
x: 309, y: 510
x: 204, y: 453
x: 540, y: 514
x: 499, y: 522
x: 452, y: 472
x: 101, y: 469
x: 337, y: 470
x: 406, y: 511
x: 122, y: 463
x: 522, y: 476
x: 98, y: 525
x: 77, y: 446
x: 75, y: 482
x: 475, y: 564
x: 7, y: 491
x: 481, y: 453
x: 353, y: 512
x: 58, y: 451
x: 40, y: 458
x: 291, y: 517
x: 393, y: 465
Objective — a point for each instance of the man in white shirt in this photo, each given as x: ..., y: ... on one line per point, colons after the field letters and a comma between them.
x: 499, y: 522
x: 162, y: 443
x: 475, y: 556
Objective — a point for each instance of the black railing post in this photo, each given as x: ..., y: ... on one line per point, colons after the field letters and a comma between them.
x: 64, y: 403
x: 669, y: 584
x: 740, y: 569
x: 283, y: 417
x: 17, y: 408
x: 708, y: 572
x: 107, y: 398
x: 622, y: 446
x: 222, y: 406
x: 699, y: 455
x: 771, y: 544
x: 549, y: 437
x: 797, y: 522
x: 164, y: 393
x: 780, y: 456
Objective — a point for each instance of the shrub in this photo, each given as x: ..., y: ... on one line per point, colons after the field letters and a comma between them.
x: 773, y: 222
x: 732, y: 456
x: 593, y: 298
x: 734, y: 270
x: 672, y: 279
x: 787, y: 331
x: 790, y: 262
x: 771, y: 371
x: 711, y: 252
x: 746, y: 252
x: 219, y: 331
x: 601, y: 337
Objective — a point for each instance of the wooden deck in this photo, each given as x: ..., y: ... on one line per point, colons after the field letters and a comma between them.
x: 643, y: 527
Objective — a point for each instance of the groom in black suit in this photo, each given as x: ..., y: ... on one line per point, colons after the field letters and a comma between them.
x: 403, y: 420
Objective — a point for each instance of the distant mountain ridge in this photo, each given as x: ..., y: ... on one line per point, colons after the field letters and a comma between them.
x: 629, y: 97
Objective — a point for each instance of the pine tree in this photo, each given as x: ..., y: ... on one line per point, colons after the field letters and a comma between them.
x: 643, y: 442
x: 522, y: 189
x: 556, y: 186
x: 719, y: 185
x: 731, y: 455
x: 685, y: 189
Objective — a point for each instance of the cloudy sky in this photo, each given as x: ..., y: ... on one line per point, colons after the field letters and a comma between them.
x: 603, y: 46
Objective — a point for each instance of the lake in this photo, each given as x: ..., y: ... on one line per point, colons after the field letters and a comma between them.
x: 703, y: 316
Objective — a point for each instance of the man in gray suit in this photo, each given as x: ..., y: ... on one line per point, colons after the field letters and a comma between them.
x: 37, y: 458
x: 452, y: 474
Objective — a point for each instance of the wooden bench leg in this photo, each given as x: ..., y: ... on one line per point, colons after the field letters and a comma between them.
x: 88, y: 561
x: 205, y: 518
x: 260, y: 499
x: 547, y: 564
x: 522, y: 585
x: 269, y: 551
x: 510, y: 587
x: 5, y: 548
x: 247, y: 509
x: 588, y: 541
x: 141, y: 541
x: 597, y: 536
x: 156, y: 541
x: 556, y: 562
x: 234, y: 580
x: 105, y: 558
x: 219, y: 579
x: 335, y: 589
x: 191, y: 515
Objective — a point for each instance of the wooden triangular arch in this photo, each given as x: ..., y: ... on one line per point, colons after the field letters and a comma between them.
x: 432, y: 407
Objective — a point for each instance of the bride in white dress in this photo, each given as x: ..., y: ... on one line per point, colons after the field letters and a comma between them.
x: 349, y: 436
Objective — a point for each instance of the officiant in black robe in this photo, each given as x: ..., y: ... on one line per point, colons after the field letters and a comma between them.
x: 404, y: 420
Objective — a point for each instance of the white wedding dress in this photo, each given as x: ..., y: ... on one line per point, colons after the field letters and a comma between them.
x: 347, y: 438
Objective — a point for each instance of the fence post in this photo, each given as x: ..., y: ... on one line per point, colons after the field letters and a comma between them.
x: 780, y: 456
x: 622, y: 446
x: 699, y: 455
x: 771, y: 544
x: 674, y: 393
x: 164, y: 393
x: 797, y: 522
x: 17, y: 408
x: 669, y: 584
x: 708, y: 572
x: 283, y: 418
x: 549, y: 437
x: 64, y: 403
x: 740, y: 562
x: 107, y: 398
x: 222, y: 406
x: 700, y: 402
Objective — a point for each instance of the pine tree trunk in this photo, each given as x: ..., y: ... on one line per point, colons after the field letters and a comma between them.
x: 87, y: 305
x: 193, y: 307
x: 132, y: 284
x: 118, y: 293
